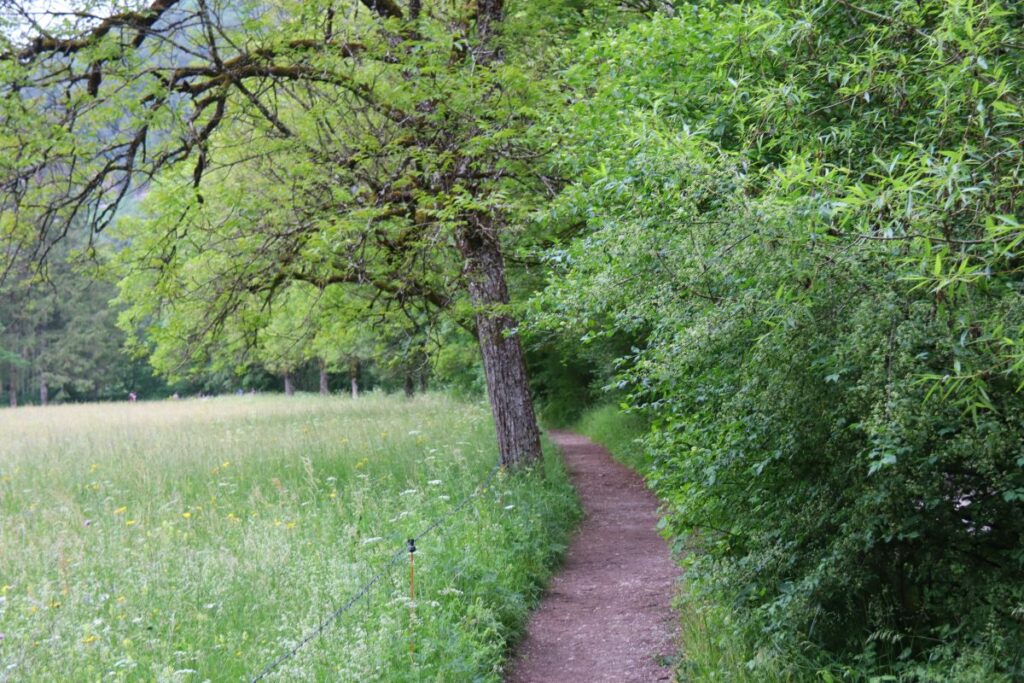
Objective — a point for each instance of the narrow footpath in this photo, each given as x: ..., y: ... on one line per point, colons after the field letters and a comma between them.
x: 606, y: 615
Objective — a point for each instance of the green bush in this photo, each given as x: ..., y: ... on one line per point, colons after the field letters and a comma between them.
x: 807, y: 218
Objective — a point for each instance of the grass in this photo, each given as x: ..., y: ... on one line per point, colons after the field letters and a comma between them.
x: 197, y: 540
x: 618, y: 432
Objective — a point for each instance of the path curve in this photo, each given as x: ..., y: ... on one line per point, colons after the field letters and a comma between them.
x: 606, y: 615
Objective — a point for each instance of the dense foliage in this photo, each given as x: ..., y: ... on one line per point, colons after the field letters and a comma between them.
x: 59, y: 339
x: 806, y: 216
x: 786, y: 233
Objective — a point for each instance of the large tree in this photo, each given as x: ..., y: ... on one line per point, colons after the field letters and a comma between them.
x: 383, y: 138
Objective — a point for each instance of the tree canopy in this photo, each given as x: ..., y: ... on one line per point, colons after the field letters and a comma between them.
x: 786, y: 233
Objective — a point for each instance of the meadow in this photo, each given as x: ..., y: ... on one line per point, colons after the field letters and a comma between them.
x: 197, y: 540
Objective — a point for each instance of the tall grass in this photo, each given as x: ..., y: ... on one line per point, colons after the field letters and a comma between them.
x: 617, y: 431
x: 196, y: 540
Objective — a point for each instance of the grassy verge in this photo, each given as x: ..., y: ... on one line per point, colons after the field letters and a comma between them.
x: 618, y: 432
x: 198, y: 540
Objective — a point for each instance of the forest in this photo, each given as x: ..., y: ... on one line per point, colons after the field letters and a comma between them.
x: 775, y: 244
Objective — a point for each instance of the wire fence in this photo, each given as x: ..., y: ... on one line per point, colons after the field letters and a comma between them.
x: 409, y: 547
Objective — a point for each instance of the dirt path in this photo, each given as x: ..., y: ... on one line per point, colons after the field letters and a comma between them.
x: 606, y: 614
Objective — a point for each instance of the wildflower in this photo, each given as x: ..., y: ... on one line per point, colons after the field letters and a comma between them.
x: 87, y: 522
x: 226, y: 464
x: 186, y: 515
x: 129, y: 522
x: 334, y: 494
x: 6, y: 587
x: 93, y: 467
x: 290, y: 525
x: 90, y: 639
x: 121, y: 510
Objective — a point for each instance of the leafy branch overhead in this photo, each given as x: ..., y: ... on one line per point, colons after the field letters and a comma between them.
x: 381, y: 144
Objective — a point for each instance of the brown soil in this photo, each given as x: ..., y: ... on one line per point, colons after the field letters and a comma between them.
x: 606, y: 615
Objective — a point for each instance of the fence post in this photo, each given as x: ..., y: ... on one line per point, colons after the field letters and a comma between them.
x: 411, y: 544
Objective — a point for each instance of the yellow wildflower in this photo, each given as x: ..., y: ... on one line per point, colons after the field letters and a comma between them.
x: 121, y: 510
x: 186, y: 515
x: 90, y: 639
x: 129, y: 522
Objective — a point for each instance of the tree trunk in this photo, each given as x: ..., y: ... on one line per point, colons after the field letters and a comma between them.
x: 324, y: 387
x: 353, y: 373
x: 410, y: 386
x: 488, y: 16
x: 44, y: 391
x: 423, y: 381
x: 504, y: 363
x: 289, y: 388
x: 13, y: 389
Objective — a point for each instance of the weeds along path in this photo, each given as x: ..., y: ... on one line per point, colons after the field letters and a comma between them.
x: 606, y: 615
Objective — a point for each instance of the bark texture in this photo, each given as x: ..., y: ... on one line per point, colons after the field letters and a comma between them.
x: 353, y: 373
x: 504, y: 364
x: 410, y: 386
x: 289, y: 386
x: 325, y: 387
